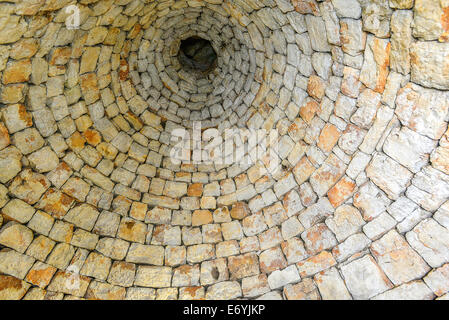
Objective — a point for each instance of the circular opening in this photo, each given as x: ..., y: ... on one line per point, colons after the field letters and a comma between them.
x: 197, y: 54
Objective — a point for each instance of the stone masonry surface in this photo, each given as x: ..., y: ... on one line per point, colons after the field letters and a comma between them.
x: 92, y: 207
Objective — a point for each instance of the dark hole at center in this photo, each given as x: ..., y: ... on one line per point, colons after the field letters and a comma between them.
x: 197, y: 54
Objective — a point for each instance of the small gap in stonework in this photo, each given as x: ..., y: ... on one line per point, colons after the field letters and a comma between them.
x: 197, y: 55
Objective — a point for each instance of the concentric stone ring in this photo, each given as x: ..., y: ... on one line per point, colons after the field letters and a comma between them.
x: 345, y: 196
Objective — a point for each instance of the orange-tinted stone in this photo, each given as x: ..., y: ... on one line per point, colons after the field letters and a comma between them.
x: 243, y: 266
x: 339, y: 193
x: 76, y: 142
x: 92, y: 137
x: 306, y: 7
x: 303, y: 170
x: 55, y: 203
x: 328, y: 138
x: 60, y: 56
x: 308, y: 110
x: 240, y: 210
x: 17, y: 71
x: 316, y: 87
x: 4, y: 136
x: 195, y: 190
x: 40, y: 274
x: 138, y: 210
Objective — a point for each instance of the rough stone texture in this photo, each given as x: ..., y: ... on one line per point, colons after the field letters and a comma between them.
x: 437, y: 280
x: 431, y: 241
x: 398, y: 260
x: 347, y: 198
x: 376, y: 66
x: 430, y: 21
x: 388, y: 175
x: 331, y: 285
x: 429, y: 64
x: 401, y: 41
x: 364, y: 278
x: 422, y: 110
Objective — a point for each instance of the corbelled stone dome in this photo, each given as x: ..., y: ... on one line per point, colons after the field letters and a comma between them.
x: 346, y: 199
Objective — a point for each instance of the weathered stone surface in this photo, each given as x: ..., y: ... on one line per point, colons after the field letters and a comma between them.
x: 315, y: 264
x: 17, y: 71
x: 5, y: 139
x: 61, y: 255
x: 83, y: 216
x: 96, y: 266
x: 376, y: 66
x: 364, y: 278
x: 255, y: 286
x: 16, y: 118
x: 353, y: 39
x: 388, y: 175
x: 327, y: 175
x: 399, y: 261
x: 345, y: 222
x: 339, y: 193
x: 347, y: 9
x: 430, y: 21
x: 103, y: 291
x: 69, y: 283
x: 28, y: 140
x: 351, y: 246
x: 431, y: 241
x: 376, y: 17
x: 18, y: 210
x: 294, y: 250
x: 271, y: 260
x: 139, y: 293
x: 122, y: 274
x: 10, y: 164
x: 214, y: 271
x: 40, y: 274
x: 440, y: 156
x: 281, y: 278
x: 442, y: 215
x: 415, y: 290
x: 305, y: 290
x: 55, y: 203
x: 186, y: 275
x: 317, y: 33
x: 331, y: 285
x: 146, y: 254
x: 429, y: 189
x: 12, y: 288
x: 430, y: 64
x: 318, y: 238
x: 379, y: 226
x: 16, y: 236
x: 44, y: 160
x: 132, y: 230
x: 401, y: 4
x: 12, y: 28
x: 355, y: 91
x: 422, y: 110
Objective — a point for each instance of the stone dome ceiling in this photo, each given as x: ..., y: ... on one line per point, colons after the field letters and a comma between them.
x: 352, y: 204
